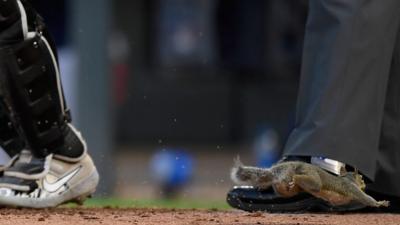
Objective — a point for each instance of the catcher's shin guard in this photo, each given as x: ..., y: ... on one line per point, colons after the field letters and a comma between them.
x: 10, y: 33
x: 10, y: 140
x: 30, y: 82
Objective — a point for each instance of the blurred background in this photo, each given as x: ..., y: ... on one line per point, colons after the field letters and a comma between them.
x: 169, y: 92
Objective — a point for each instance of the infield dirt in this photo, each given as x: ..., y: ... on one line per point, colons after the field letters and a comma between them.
x: 78, y: 216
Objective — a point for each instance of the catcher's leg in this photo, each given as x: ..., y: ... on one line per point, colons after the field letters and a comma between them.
x: 53, y: 167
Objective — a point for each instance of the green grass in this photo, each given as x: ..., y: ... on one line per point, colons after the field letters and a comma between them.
x: 173, y: 203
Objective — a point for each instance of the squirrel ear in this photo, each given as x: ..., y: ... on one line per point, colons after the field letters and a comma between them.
x: 237, y: 161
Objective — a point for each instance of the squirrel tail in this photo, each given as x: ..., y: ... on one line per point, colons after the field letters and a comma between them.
x: 236, y: 171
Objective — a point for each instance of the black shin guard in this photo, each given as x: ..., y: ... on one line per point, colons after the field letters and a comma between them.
x: 10, y: 140
x: 31, y: 89
x: 10, y: 33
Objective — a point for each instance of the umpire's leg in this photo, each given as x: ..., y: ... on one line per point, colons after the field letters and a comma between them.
x: 387, y: 177
x: 347, y: 56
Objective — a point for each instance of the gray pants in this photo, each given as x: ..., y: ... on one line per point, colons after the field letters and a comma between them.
x: 349, y: 99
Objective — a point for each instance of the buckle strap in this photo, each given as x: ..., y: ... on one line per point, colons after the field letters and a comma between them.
x: 333, y: 166
x: 14, y: 172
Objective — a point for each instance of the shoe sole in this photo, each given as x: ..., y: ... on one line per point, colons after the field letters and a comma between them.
x: 77, y: 193
x: 246, y: 199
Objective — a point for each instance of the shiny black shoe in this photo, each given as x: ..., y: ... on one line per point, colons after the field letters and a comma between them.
x: 251, y: 199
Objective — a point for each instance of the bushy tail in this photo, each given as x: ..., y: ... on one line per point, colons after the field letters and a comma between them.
x: 236, y: 171
x: 247, y: 175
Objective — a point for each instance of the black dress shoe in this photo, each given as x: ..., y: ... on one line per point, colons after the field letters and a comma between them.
x: 251, y: 199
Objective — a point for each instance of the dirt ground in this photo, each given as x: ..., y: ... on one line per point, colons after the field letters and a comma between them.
x: 79, y: 216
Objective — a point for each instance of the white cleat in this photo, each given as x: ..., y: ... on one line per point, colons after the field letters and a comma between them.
x: 59, y: 183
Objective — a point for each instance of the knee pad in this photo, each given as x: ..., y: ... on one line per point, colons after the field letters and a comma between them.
x: 18, y: 20
x: 11, y: 30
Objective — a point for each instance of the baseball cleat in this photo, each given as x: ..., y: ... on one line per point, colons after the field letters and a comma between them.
x: 41, y: 183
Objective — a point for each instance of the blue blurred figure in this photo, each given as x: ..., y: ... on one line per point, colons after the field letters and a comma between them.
x: 266, y: 147
x: 172, y: 169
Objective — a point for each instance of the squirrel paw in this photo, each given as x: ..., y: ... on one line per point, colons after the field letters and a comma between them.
x: 383, y: 204
x: 292, y: 185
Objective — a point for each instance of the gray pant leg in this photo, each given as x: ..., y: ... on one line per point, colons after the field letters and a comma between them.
x: 347, y: 56
x: 388, y: 165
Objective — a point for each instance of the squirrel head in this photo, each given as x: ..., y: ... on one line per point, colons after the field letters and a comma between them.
x: 248, y: 175
x: 357, y: 178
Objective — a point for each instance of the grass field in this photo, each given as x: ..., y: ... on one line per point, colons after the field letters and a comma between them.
x: 154, y: 203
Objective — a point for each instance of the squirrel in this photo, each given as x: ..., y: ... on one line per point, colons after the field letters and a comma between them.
x: 293, y: 177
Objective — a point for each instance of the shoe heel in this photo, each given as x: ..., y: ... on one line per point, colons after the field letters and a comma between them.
x: 85, y: 189
x: 81, y: 199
